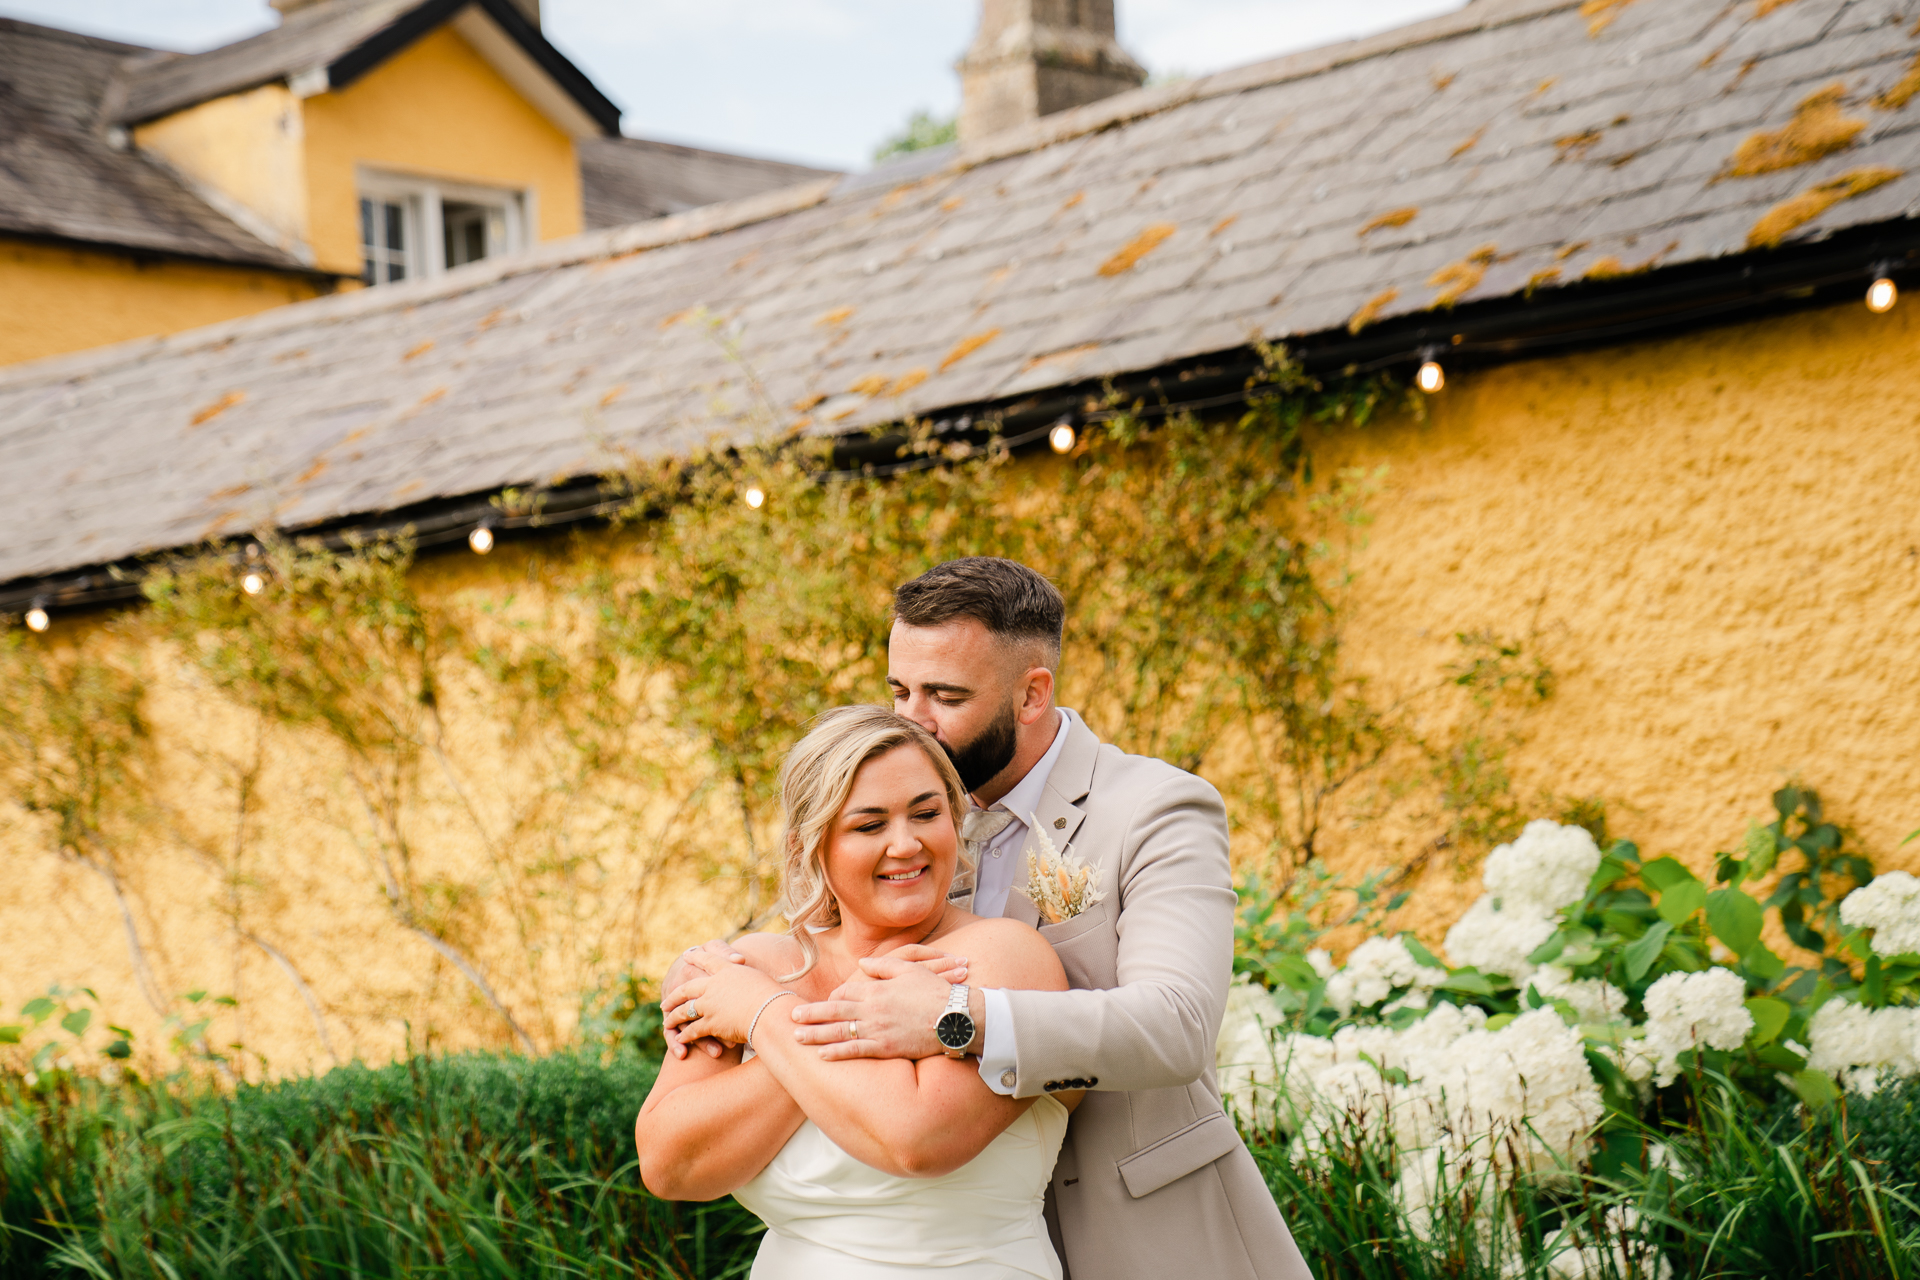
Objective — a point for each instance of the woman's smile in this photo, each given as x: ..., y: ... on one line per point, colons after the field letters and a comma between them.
x: 903, y: 877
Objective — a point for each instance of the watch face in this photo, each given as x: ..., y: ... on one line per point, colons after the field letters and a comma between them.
x: 954, y: 1030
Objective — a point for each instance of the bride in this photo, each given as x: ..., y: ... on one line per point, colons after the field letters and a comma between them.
x: 871, y: 1167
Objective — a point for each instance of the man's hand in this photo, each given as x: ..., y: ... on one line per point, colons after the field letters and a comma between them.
x: 895, y: 1002
x: 679, y: 973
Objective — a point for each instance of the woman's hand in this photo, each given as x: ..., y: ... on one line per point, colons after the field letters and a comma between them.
x: 720, y: 1001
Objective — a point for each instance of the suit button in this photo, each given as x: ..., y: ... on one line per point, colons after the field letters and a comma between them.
x: 1007, y: 1078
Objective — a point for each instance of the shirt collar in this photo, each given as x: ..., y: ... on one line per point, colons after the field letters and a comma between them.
x: 1024, y: 798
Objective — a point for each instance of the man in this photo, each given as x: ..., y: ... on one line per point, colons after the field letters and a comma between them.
x: 1153, y: 1180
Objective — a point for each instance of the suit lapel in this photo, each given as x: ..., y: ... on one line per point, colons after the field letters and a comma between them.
x: 1060, y: 812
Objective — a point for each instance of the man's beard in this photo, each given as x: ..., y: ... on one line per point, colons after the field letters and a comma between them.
x: 980, y: 761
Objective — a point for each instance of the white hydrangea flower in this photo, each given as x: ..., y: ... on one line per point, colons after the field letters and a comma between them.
x: 1375, y: 968
x: 1243, y: 1051
x: 1694, y: 1010
x: 1864, y: 1047
x: 1571, y: 1257
x: 1547, y: 868
x: 1593, y: 999
x: 1322, y: 961
x: 1890, y: 906
x: 1495, y: 939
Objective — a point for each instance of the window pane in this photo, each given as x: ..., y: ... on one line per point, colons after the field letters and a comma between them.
x: 366, y: 224
x: 396, y: 228
x: 397, y: 269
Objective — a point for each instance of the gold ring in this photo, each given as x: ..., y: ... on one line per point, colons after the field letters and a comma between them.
x: 853, y: 1031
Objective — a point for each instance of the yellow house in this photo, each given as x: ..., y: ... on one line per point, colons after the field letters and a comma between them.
x: 360, y: 142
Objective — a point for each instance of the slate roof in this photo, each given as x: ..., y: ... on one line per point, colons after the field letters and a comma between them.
x: 626, y: 180
x: 1162, y: 223
x: 60, y: 178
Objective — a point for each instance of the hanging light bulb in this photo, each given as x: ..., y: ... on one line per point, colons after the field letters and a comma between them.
x: 1062, y: 436
x: 1881, y: 295
x: 755, y: 497
x: 253, y: 584
x: 481, y: 540
x: 1431, y: 377
x: 37, y: 619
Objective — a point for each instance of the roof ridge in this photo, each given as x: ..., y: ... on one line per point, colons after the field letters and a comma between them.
x: 78, y: 37
x: 1134, y: 104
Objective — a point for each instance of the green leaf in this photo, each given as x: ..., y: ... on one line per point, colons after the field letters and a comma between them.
x: 1641, y: 954
x: 1762, y: 849
x: 1612, y: 869
x: 1769, y: 1016
x: 1469, y: 982
x: 1548, y: 951
x: 76, y: 1022
x: 1420, y: 954
x: 1679, y: 902
x: 119, y: 1050
x: 38, y: 1009
x: 1735, y: 918
x: 1498, y: 1021
x: 1762, y: 963
x: 1664, y: 873
x: 10, y: 1033
x: 1815, y: 1088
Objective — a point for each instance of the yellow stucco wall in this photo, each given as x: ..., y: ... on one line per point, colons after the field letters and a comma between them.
x: 1714, y: 540
x: 436, y: 109
x: 250, y: 148
x: 61, y: 299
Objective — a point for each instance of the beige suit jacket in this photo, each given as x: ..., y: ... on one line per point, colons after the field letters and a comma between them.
x: 1153, y: 1180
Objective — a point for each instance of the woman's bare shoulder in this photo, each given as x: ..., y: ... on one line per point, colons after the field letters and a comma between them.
x: 1006, y: 953
x: 774, y: 953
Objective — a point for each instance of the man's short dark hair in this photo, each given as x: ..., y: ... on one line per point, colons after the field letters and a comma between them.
x: 1010, y: 600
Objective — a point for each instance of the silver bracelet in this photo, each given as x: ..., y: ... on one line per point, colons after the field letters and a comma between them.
x: 762, y: 1009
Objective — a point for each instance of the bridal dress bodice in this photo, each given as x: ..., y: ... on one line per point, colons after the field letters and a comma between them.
x: 829, y: 1215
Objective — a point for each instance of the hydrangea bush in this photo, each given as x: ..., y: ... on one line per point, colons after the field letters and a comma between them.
x: 1580, y: 999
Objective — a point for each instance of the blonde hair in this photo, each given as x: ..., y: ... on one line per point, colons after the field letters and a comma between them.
x: 815, y: 780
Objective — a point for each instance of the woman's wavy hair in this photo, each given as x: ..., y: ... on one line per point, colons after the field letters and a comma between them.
x: 815, y: 780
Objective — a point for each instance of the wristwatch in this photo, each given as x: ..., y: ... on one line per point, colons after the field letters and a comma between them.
x: 954, y: 1030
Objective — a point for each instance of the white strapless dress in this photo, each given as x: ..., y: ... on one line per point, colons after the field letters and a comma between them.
x: 828, y: 1215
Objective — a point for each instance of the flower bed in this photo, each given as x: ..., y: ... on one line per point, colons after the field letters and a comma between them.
x: 1599, y: 1023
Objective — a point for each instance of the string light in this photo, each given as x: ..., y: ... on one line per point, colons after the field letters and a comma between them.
x: 37, y: 619
x: 1881, y: 295
x: 481, y: 540
x: 755, y: 497
x: 253, y: 584
x: 1061, y: 437
x: 1431, y: 377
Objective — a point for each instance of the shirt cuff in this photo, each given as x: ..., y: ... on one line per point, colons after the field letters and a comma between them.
x: 997, y: 1054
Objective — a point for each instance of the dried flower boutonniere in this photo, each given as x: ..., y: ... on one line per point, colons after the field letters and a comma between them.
x: 1061, y: 885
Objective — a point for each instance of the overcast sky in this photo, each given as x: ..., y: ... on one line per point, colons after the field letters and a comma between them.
x: 811, y: 80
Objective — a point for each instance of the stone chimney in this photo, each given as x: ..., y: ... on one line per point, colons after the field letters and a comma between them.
x: 1035, y: 57
x: 531, y: 8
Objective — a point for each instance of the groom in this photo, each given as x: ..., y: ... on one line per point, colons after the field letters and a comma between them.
x: 1152, y: 1180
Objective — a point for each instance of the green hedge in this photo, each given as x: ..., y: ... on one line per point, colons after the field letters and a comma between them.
x: 481, y: 1165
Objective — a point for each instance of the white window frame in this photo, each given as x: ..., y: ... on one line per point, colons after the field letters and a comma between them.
x: 423, y: 198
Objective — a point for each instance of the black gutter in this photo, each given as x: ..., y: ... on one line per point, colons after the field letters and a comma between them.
x: 1580, y: 316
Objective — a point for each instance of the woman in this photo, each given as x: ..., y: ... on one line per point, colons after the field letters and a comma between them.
x: 865, y: 1168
